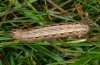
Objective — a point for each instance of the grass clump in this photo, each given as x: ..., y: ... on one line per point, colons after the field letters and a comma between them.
x: 27, y: 13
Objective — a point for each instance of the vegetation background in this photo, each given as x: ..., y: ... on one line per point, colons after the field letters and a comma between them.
x: 28, y: 13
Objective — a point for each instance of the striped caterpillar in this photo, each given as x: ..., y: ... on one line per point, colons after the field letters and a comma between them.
x: 61, y: 30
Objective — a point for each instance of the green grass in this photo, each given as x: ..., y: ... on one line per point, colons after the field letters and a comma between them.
x: 28, y: 13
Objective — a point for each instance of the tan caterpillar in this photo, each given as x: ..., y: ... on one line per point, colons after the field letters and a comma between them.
x: 61, y: 30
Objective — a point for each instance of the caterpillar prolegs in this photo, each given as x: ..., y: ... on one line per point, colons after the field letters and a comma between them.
x: 61, y: 30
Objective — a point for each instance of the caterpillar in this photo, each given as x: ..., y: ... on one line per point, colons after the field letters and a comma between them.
x: 51, y: 31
